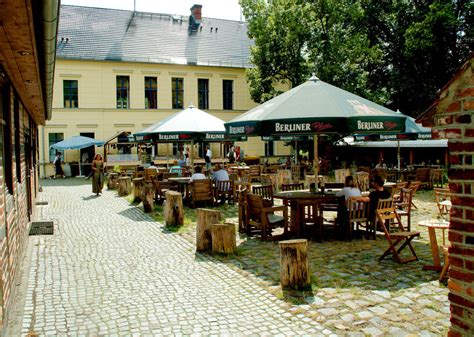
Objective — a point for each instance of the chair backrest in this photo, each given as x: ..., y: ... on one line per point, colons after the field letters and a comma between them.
x: 266, y: 192
x: 442, y: 194
x: 414, y: 185
x: 254, y: 170
x: 254, y: 207
x: 224, y: 185
x: 385, y: 203
x: 388, y: 215
x: 423, y: 174
x: 202, y: 190
x: 241, y: 189
x: 341, y: 174
x: 358, y: 209
x: 292, y: 187
x: 406, y: 196
x: 362, y: 180
x: 295, y: 172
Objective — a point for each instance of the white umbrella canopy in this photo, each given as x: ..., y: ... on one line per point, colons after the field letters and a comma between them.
x: 188, y: 124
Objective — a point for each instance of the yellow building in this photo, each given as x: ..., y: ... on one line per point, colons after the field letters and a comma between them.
x: 123, y: 71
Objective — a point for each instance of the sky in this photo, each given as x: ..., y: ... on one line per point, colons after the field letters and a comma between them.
x: 219, y: 9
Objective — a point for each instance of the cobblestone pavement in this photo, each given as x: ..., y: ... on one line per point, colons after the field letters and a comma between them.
x: 110, y: 270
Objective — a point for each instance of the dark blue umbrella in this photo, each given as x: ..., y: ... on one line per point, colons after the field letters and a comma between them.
x: 76, y: 142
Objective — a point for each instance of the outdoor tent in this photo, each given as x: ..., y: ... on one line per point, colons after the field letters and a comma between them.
x: 316, y: 107
x: 188, y: 125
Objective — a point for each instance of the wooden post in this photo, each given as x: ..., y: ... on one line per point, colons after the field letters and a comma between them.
x: 294, y: 269
x: 173, y: 209
x: 148, y: 197
x: 124, y: 186
x: 205, y: 219
x: 112, y: 183
x: 223, y: 238
x: 138, y: 188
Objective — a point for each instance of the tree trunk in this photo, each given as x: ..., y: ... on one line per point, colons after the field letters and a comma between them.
x: 137, y: 189
x: 148, y: 197
x: 124, y: 186
x: 112, y: 183
x: 294, y: 269
x: 173, y: 209
x: 205, y: 219
x: 223, y: 238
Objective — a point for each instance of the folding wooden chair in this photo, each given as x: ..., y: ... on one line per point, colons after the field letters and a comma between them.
x: 358, y: 214
x: 443, y: 200
x: 395, y: 238
x: 224, y: 190
x: 266, y: 192
x: 404, y: 205
x: 414, y: 186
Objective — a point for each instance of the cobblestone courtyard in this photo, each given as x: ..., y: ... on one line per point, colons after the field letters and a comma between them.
x: 110, y: 269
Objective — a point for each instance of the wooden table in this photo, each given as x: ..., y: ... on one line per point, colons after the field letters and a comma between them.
x: 432, y: 225
x: 291, y: 198
x: 183, y: 186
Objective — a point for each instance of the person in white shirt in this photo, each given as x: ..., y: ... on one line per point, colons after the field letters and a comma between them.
x: 350, y: 189
x: 197, y: 174
x: 220, y: 174
x: 208, y: 157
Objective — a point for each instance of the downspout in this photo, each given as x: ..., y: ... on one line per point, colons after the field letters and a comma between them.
x: 50, y: 20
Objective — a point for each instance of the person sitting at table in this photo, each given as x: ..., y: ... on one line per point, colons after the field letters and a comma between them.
x: 349, y: 190
x: 181, y: 162
x: 197, y: 174
x: 220, y: 174
x: 176, y: 168
x: 378, y: 193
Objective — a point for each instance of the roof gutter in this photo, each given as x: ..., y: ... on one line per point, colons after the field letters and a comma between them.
x: 49, y: 23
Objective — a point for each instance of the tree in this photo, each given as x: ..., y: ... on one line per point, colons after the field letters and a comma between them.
x: 280, y: 32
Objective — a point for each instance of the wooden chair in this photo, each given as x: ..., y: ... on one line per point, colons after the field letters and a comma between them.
x: 401, y: 237
x: 296, y: 173
x: 436, y: 177
x: 381, y: 204
x: 201, y: 191
x: 414, y: 186
x: 292, y: 187
x: 397, y: 190
x: 224, y: 190
x: 403, y: 205
x: 358, y: 215
x: 266, y: 192
x: 444, y: 271
x: 362, y: 180
x: 160, y: 190
x: 443, y: 200
x: 423, y: 176
x: 254, y: 173
x: 263, y: 218
x: 309, y: 219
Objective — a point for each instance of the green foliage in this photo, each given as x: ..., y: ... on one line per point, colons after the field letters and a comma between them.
x: 392, y: 50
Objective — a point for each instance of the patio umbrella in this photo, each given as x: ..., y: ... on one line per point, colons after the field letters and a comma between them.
x: 413, y: 131
x: 76, y: 142
x: 188, y: 125
x: 312, y: 108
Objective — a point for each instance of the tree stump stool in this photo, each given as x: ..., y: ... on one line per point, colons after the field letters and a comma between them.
x: 148, y: 197
x: 294, y: 268
x: 173, y: 209
x: 124, y: 186
x: 205, y: 219
x: 138, y: 184
x: 223, y: 238
x: 112, y: 183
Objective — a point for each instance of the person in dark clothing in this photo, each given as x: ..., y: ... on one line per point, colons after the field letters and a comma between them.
x: 57, y: 166
x: 378, y: 193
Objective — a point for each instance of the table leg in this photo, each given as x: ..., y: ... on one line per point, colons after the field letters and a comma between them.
x: 434, y: 251
x: 294, y: 226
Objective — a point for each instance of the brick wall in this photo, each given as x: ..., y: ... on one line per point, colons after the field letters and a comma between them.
x: 14, y: 210
x: 454, y: 120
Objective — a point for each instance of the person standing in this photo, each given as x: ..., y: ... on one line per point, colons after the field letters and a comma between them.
x: 57, y: 166
x: 231, y: 155
x: 97, y: 175
x: 207, y: 158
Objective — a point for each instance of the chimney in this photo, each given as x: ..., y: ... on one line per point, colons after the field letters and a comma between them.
x: 195, y: 18
x: 196, y: 12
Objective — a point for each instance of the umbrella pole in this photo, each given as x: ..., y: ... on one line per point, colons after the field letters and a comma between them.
x: 316, y: 156
x: 167, y: 155
x: 191, y: 156
x: 398, y: 155
x: 296, y: 152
